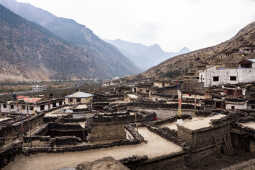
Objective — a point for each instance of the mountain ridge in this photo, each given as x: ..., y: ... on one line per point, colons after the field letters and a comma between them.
x: 104, y: 56
x: 240, y: 46
x: 144, y: 56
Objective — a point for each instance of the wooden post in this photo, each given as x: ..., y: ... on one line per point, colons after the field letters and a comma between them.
x: 179, y: 103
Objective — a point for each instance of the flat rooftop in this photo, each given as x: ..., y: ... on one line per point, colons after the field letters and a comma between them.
x: 249, y: 125
x: 172, y: 125
x: 155, y: 147
x: 200, y: 122
x: 162, y: 113
x: 58, y: 112
x: 2, y: 119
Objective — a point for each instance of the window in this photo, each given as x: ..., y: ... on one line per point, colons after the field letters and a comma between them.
x: 70, y: 100
x: 23, y: 107
x: 4, y: 105
x: 216, y: 78
x: 232, y: 78
x: 31, y: 108
x: 233, y: 107
x: 78, y: 100
x: 253, y: 107
x: 12, y: 106
x: 42, y: 107
x: 60, y: 103
x: 54, y: 104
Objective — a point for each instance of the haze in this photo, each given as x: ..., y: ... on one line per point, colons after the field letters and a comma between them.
x: 171, y: 24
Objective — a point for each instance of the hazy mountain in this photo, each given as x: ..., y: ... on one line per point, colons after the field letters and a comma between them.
x: 229, y: 53
x: 31, y: 52
x: 144, y: 56
x: 104, y: 56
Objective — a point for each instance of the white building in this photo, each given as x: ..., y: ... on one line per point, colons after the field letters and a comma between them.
x: 79, y: 98
x: 39, y: 88
x: 30, y: 105
x: 218, y: 75
x: 236, y: 105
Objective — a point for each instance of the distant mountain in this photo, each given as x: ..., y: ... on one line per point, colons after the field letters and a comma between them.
x: 144, y: 56
x: 31, y: 52
x: 228, y: 53
x: 107, y: 60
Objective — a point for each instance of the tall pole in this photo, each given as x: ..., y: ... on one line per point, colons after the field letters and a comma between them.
x: 179, y: 100
x: 179, y: 103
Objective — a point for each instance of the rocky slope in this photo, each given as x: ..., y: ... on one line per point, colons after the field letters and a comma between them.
x: 144, y: 56
x: 229, y: 53
x: 99, y: 59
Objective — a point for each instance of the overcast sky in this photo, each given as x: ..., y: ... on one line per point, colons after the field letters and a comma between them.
x: 172, y: 24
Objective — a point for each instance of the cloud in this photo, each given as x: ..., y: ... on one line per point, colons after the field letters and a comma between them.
x: 147, y: 32
x: 172, y: 24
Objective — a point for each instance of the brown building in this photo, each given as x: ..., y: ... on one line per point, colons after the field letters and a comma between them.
x: 107, y: 127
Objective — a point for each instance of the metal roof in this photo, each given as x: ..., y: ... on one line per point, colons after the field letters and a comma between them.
x: 79, y: 95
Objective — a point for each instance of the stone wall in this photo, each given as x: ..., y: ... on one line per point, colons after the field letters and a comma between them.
x: 9, y: 152
x: 106, y: 131
x: 102, y: 164
x: 247, y: 165
x: 168, y: 162
x: 161, y: 105
x: 17, y: 130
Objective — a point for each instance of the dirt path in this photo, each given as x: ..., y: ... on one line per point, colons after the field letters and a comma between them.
x: 155, y: 147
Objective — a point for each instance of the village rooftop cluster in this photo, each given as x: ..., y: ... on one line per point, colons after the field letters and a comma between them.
x: 145, y: 124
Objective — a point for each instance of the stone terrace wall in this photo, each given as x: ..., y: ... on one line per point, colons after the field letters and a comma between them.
x: 9, y: 152
x: 248, y: 165
x: 168, y: 162
x: 137, y: 140
x: 17, y: 130
x: 161, y: 105
x: 107, y: 131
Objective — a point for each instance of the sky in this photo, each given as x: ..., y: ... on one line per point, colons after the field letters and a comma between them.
x: 173, y: 24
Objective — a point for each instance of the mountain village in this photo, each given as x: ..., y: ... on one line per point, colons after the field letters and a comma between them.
x: 145, y: 124
x: 70, y: 100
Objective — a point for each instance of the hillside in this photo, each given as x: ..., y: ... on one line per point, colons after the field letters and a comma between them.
x: 229, y: 53
x: 30, y: 52
x: 106, y: 60
x: 144, y: 56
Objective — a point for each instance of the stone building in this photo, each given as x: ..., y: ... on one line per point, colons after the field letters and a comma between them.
x: 161, y: 83
x: 78, y: 98
x: 205, y: 136
x: 143, y: 88
x: 219, y: 75
x: 30, y: 105
x: 236, y: 104
x: 107, y: 127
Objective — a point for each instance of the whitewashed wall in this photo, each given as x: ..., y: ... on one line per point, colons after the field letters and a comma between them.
x: 237, y: 106
x: 243, y: 75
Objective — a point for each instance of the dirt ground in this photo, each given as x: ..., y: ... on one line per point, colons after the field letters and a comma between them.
x: 155, y: 147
